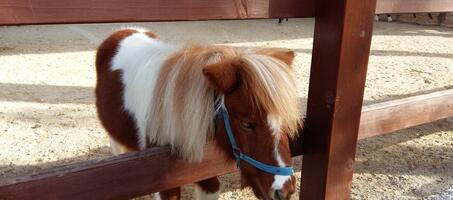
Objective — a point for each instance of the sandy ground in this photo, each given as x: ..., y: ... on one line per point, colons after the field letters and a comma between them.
x: 47, y: 115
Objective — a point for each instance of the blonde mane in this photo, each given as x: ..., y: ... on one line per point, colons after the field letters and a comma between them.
x: 183, y: 111
x: 271, y: 85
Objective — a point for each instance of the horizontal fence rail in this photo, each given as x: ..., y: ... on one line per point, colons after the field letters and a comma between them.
x: 135, y: 174
x: 403, y: 113
x: 121, y: 177
x: 88, y: 11
x: 17, y: 12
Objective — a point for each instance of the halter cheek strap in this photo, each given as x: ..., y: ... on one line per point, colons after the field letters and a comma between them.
x: 284, y: 171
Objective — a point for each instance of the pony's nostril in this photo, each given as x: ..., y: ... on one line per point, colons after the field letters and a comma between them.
x: 278, y: 195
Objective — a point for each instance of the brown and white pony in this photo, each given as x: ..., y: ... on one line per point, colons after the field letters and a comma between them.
x: 150, y: 93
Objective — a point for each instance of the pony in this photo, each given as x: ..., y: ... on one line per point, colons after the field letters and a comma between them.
x: 150, y: 93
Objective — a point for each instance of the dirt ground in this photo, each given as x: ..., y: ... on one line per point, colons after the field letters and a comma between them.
x: 48, y: 118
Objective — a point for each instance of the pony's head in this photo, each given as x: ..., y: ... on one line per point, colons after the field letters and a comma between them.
x: 259, y: 91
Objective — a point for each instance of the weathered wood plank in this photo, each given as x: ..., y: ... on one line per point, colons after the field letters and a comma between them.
x: 122, y: 177
x: 291, y: 8
x: 341, y: 47
x: 15, y: 12
x: 88, y: 11
x: 399, y: 114
x: 394, y: 115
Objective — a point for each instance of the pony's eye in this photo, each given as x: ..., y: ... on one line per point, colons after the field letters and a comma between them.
x: 248, y: 125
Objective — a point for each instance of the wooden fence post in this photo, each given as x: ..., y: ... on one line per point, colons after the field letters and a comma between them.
x: 341, y: 47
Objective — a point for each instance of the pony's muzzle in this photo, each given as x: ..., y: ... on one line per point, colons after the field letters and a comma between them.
x: 278, y: 195
x: 283, y: 193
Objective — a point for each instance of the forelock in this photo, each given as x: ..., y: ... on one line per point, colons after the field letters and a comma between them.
x: 271, y: 86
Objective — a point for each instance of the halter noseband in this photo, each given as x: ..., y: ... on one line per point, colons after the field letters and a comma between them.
x: 284, y: 171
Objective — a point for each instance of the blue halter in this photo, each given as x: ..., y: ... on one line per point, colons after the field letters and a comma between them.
x: 284, y: 171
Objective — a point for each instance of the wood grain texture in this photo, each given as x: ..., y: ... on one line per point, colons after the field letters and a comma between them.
x: 341, y: 47
x: 88, y: 11
x: 399, y: 114
x: 291, y: 8
x: 15, y: 12
x: 122, y: 177
x: 394, y: 115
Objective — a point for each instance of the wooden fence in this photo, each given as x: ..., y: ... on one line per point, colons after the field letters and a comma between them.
x: 154, y: 169
x: 14, y: 12
x: 335, y: 118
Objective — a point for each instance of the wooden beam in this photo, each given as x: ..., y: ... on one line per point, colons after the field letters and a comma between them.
x: 291, y: 8
x: 144, y: 172
x: 88, y: 11
x: 13, y: 12
x: 386, y: 117
x: 122, y: 177
x: 399, y: 114
x: 16, y: 12
x: 413, y: 6
x: 341, y: 47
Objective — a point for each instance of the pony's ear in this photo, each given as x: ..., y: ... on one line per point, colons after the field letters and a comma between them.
x: 223, y: 76
x: 285, y: 56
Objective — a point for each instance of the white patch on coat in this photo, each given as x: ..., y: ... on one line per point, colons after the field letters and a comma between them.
x: 274, y: 122
x: 200, y: 194
x: 279, y: 181
x: 140, y: 58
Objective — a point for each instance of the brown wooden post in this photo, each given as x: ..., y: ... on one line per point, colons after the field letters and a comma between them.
x: 341, y: 47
